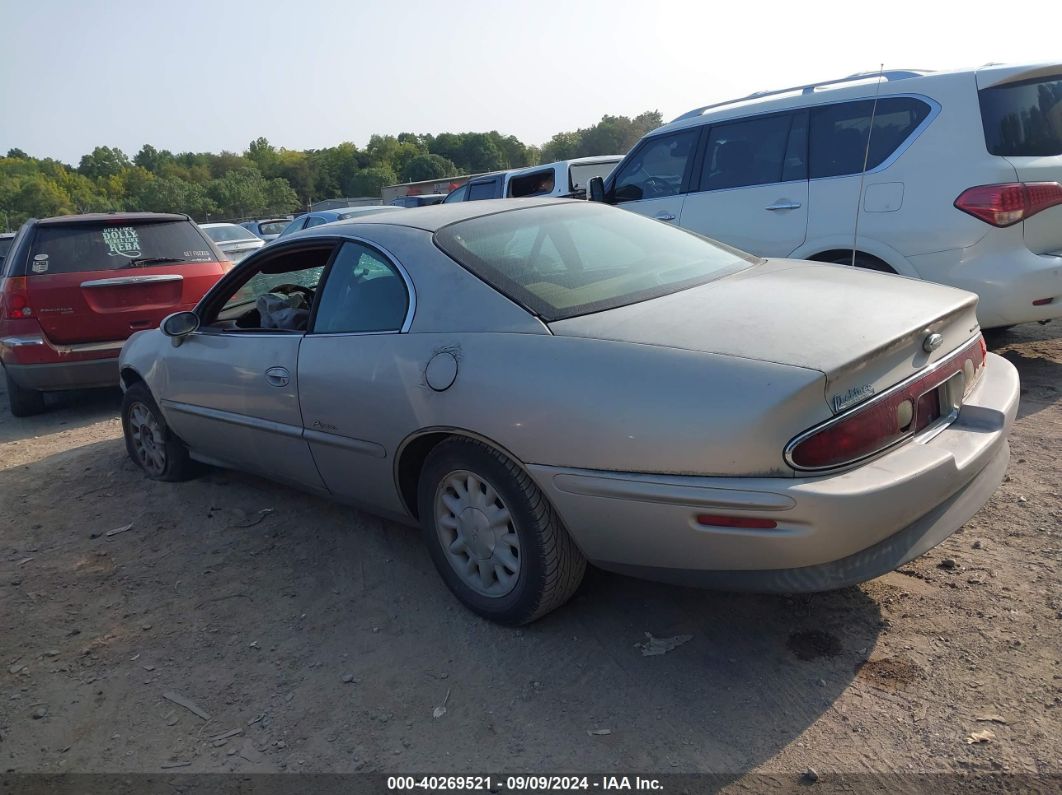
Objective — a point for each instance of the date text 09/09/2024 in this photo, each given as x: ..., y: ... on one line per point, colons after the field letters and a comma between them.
x: 522, y: 783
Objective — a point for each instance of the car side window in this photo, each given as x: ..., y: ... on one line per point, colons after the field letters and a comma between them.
x: 315, y: 220
x: 457, y: 195
x: 278, y: 293
x: 747, y: 152
x: 363, y: 293
x: 294, y: 226
x: 656, y: 169
x: 839, y: 133
x: 482, y: 190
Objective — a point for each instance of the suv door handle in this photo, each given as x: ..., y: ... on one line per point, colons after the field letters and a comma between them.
x: 664, y: 215
x: 783, y: 204
x: 277, y: 376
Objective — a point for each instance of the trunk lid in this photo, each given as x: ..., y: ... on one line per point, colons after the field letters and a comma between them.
x: 1021, y: 110
x: 91, y: 282
x: 865, y: 331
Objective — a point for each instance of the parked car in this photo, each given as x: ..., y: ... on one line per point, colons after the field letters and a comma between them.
x: 72, y: 289
x: 422, y: 200
x: 310, y: 220
x: 540, y: 383
x: 234, y: 241
x: 567, y: 178
x: 6, y: 238
x: 267, y: 228
x: 961, y: 184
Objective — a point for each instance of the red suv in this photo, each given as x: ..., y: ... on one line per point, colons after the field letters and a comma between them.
x: 73, y: 289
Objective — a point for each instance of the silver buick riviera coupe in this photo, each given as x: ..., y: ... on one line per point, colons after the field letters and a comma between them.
x: 542, y: 384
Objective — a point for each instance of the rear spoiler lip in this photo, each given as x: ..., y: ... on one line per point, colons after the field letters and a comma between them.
x: 995, y: 75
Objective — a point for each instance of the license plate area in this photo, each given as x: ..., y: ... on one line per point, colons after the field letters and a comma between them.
x: 938, y: 408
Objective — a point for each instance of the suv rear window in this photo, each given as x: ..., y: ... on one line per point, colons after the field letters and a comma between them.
x: 82, y: 247
x: 839, y: 133
x: 1023, y: 119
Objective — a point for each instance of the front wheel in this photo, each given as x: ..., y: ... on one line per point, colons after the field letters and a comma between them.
x: 493, y: 536
x: 149, y: 441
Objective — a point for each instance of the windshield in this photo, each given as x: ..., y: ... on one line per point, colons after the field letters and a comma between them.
x: 229, y: 232
x: 571, y: 259
x: 103, y: 247
x: 1023, y: 119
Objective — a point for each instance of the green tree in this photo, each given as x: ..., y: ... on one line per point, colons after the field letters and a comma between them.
x: 424, y: 167
x: 264, y: 156
x: 103, y: 162
x: 370, y: 181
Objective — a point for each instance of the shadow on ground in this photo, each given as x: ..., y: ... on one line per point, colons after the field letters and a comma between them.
x: 65, y: 410
x: 326, y: 635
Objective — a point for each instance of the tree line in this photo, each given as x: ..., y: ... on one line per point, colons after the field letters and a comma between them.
x: 264, y: 180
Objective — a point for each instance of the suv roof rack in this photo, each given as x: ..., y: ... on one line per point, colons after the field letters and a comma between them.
x: 894, y: 74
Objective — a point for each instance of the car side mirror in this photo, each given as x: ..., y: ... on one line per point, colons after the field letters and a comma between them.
x: 595, y: 190
x: 179, y: 325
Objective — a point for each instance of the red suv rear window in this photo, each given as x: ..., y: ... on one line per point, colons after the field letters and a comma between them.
x: 104, y: 247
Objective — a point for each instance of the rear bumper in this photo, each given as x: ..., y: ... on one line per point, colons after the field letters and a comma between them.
x: 831, y: 531
x: 1006, y: 276
x: 69, y: 375
x: 34, y: 362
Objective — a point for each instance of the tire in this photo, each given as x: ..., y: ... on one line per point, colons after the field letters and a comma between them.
x: 863, y: 261
x: 149, y: 441
x: 515, y: 569
x: 23, y: 402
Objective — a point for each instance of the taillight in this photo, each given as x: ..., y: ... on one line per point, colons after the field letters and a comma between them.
x: 882, y: 422
x: 1008, y: 203
x: 14, y: 298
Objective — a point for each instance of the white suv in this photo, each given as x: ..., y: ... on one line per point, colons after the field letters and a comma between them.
x: 961, y: 182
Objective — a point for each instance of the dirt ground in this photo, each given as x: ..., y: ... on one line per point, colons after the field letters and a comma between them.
x: 317, y: 638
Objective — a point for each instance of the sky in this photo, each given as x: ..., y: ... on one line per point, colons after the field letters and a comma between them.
x: 212, y: 76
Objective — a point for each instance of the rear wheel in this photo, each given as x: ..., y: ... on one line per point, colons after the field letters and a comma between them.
x: 493, y: 536
x: 864, y: 261
x: 23, y: 402
x: 149, y: 441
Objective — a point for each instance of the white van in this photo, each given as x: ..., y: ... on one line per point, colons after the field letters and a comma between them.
x: 960, y: 182
x: 563, y: 178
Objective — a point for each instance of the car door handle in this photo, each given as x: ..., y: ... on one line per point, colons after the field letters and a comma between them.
x: 664, y: 215
x: 783, y: 204
x: 277, y: 376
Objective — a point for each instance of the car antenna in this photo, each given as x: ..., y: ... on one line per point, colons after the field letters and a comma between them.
x: 866, y: 159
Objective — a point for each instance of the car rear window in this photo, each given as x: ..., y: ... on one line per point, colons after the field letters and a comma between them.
x: 102, y: 247
x: 272, y: 227
x: 5, y: 246
x: 572, y: 259
x: 225, y: 234
x: 1023, y: 119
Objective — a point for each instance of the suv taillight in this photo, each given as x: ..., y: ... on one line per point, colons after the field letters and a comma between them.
x: 1006, y: 204
x: 882, y: 422
x: 14, y: 298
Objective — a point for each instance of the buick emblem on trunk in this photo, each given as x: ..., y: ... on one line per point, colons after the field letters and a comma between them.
x: 932, y: 342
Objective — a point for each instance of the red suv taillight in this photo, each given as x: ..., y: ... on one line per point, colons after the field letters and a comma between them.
x: 1006, y: 204
x: 889, y: 418
x: 14, y: 298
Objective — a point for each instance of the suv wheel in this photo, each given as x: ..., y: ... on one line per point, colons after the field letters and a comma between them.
x: 493, y: 536
x: 864, y: 261
x: 149, y: 441
x: 23, y: 402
